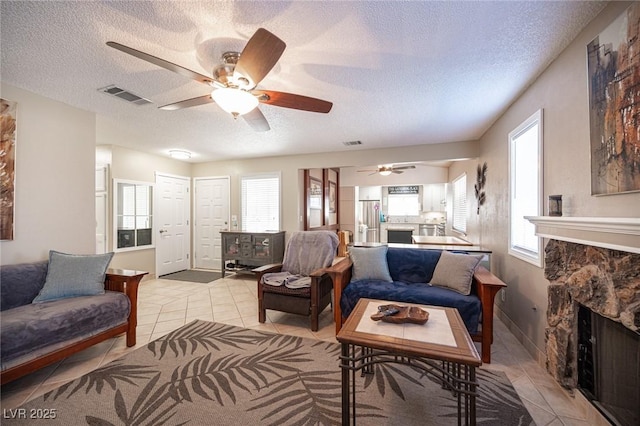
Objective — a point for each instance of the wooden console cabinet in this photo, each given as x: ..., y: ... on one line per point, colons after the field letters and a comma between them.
x: 243, y: 251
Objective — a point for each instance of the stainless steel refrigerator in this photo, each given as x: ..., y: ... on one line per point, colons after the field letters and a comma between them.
x: 369, y: 221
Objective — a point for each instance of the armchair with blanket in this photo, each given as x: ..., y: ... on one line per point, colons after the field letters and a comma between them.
x: 300, y: 285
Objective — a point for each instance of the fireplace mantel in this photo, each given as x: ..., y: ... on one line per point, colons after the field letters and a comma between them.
x: 616, y: 233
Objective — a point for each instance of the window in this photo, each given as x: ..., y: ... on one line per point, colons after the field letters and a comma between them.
x: 525, y: 176
x: 404, y: 205
x: 261, y: 202
x: 133, y: 215
x: 460, y: 204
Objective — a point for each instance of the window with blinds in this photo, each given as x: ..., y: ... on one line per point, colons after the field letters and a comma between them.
x: 460, y: 204
x: 261, y: 202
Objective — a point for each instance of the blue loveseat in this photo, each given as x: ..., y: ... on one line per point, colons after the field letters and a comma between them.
x: 411, y: 270
x: 35, y: 335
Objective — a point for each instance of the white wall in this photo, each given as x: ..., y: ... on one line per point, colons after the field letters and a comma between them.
x: 562, y: 92
x: 55, y: 159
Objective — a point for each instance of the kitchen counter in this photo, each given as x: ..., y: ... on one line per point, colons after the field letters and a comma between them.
x: 470, y: 249
x: 440, y: 240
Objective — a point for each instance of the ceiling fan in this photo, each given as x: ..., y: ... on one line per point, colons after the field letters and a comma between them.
x: 235, y: 80
x: 388, y: 169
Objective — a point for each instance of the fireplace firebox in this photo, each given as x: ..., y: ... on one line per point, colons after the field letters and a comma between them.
x: 609, y: 367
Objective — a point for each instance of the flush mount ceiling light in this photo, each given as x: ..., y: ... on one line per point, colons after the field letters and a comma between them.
x: 234, y: 101
x: 179, y: 154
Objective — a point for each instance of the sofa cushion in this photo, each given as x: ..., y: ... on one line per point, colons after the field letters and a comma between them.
x: 424, y: 294
x: 71, y: 275
x: 20, y: 284
x: 369, y: 263
x: 455, y: 271
x: 27, y: 329
x: 412, y: 265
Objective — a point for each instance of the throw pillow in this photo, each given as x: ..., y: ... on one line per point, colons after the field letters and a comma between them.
x: 71, y: 275
x: 455, y: 271
x: 369, y: 263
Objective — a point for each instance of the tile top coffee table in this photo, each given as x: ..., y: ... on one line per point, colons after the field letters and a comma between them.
x: 441, y: 348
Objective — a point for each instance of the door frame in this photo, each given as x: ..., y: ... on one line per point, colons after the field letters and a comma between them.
x: 156, y: 224
x: 194, y: 209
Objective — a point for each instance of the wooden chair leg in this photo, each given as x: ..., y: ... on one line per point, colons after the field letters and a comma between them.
x: 314, y: 318
x: 262, y: 312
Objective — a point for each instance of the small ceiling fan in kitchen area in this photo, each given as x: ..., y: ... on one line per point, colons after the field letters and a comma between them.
x: 386, y: 170
x: 234, y: 81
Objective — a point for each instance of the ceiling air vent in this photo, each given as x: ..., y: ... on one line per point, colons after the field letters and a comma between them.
x: 352, y: 143
x: 123, y: 94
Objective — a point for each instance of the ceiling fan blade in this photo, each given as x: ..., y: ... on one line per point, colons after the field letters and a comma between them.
x: 256, y: 120
x: 396, y: 171
x: 188, y: 103
x: 290, y: 100
x: 404, y: 167
x: 162, y: 63
x: 259, y: 56
x: 361, y: 171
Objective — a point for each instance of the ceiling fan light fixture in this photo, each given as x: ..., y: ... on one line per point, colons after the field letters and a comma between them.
x: 179, y: 154
x: 234, y: 101
x: 385, y: 172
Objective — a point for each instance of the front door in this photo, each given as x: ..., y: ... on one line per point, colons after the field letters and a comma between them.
x: 212, y: 216
x: 172, y: 218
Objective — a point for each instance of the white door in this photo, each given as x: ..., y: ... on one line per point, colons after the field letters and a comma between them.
x: 102, y: 173
x: 101, y: 222
x: 212, y: 216
x: 172, y: 224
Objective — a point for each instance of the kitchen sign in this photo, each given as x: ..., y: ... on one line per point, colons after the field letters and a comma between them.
x: 406, y: 189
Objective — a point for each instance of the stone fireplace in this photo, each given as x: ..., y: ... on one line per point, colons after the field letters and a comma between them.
x: 593, y: 266
x: 603, y: 280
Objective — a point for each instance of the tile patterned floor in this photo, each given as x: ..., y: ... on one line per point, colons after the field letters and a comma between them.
x: 165, y: 305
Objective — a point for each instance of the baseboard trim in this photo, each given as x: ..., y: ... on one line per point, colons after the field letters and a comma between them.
x: 539, y: 356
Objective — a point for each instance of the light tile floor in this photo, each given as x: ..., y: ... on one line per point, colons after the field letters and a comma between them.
x: 164, y: 305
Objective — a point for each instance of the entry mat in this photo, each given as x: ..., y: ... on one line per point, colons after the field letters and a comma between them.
x: 193, y: 276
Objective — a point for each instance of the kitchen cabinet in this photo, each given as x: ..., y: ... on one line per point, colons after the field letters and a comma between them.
x: 398, y: 228
x: 433, y: 196
x: 243, y: 251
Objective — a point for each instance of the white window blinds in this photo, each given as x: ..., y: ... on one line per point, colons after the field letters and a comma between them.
x: 460, y: 204
x: 261, y: 202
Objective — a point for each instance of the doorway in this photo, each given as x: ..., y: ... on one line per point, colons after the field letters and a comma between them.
x: 172, y: 217
x: 211, y: 217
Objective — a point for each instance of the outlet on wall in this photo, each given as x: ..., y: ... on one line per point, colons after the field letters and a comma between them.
x: 503, y: 295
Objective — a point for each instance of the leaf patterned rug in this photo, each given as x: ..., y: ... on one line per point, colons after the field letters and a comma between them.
x: 208, y: 373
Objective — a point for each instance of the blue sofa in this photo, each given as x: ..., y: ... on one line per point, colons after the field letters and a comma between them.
x: 411, y: 270
x: 35, y: 335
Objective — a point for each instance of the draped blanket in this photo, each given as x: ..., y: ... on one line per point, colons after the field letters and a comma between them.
x: 306, y: 251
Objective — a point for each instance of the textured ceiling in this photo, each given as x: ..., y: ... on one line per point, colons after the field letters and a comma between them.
x: 398, y: 73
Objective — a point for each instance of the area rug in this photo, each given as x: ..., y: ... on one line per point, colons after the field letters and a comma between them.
x: 208, y: 373
x: 193, y: 276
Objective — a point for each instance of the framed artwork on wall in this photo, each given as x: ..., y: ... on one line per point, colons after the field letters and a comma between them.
x: 332, y: 197
x: 614, y: 106
x: 315, y: 194
x: 7, y: 165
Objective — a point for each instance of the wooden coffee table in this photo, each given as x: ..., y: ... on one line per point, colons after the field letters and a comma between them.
x: 441, y: 348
